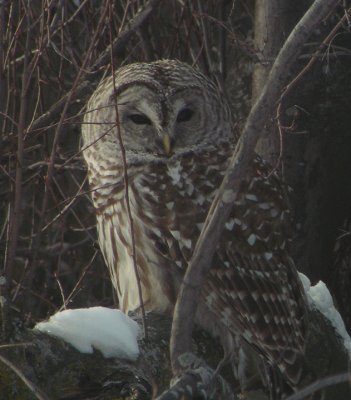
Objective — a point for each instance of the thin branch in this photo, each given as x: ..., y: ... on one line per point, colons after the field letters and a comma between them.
x: 86, y: 88
x: 319, y: 385
x: 39, y: 394
x: 126, y: 189
x: 50, y: 170
x: 237, y: 171
x: 67, y: 207
x: 76, y: 286
x: 16, y: 211
x: 64, y: 301
x: 2, y: 69
x: 14, y: 345
x: 326, y: 43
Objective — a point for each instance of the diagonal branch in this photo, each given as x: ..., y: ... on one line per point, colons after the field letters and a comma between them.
x: 237, y: 171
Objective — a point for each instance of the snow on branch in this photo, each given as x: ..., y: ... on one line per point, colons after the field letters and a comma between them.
x: 110, y: 331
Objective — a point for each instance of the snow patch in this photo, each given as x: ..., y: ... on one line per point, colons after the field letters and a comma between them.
x: 110, y: 331
x: 319, y: 297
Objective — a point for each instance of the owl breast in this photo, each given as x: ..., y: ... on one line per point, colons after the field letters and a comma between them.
x: 252, y: 289
x: 169, y: 201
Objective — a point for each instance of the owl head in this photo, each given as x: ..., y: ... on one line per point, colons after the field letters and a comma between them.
x: 165, y: 109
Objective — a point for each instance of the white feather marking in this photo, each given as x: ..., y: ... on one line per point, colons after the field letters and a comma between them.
x: 174, y: 173
x: 200, y: 226
x: 227, y: 312
x: 251, y: 239
x: 229, y: 225
x: 241, y: 294
x: 274, y: 213
x: 255, y: 295
x: 157, y: 232
x: 265, y: 296
x: 210, y: 298
x: 251, y: 197
x: 176, y: 235
x: 228, y: 196
x: 253, y: 317
x: 187, y: 243
x: 264, y: 206
x: 267, y: 318
x: 247, y: 335
x: 260, y: 274
x: 170, y: 205
x: 199, y: 200
x: 189, y: 189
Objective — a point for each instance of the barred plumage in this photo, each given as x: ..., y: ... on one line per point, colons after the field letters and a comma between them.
x: 178, y: 137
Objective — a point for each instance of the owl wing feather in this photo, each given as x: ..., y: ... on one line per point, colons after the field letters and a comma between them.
x: 252, y: 284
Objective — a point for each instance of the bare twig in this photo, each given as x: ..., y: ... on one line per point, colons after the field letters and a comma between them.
x: 237, y: 171
x: 325, y: 43
x: 16, y: 211
x: 50, y: 170
x: 15, y: 215
x: 39, y: 394
x: 67, y: 207
x: 126, y: 188
x: 64, y: 301
x: 14, y: 345
x: 86, y: 88
x: 76, y: 286
x: 319, y: 385
x: 2, y: 68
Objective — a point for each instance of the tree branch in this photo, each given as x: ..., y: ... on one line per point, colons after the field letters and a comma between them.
x: 86, y: 88
x: 319, y: 385
x: 237, y: 171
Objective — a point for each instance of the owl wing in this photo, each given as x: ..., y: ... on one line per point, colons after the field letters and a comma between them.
x: 254, y: 281
x: 252, y: 285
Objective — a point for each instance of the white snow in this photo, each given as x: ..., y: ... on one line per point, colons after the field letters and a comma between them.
x: 110, y: 331
x: 320, y: 298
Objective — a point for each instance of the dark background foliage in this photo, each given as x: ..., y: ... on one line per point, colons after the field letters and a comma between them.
x: 49, y: 62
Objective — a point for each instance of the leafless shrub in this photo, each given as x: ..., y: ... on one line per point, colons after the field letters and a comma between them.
x: 52, y: 56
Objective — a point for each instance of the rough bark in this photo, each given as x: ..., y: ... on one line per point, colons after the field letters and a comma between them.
x: 56, y: 371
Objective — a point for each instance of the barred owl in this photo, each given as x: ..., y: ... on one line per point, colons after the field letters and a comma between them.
x: 177, y: 137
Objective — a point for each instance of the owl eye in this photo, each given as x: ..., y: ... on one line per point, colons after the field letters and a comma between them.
x: 139, y: 119
x: 185, y: 115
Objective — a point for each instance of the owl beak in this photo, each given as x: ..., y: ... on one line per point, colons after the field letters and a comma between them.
x: 167, y: 146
